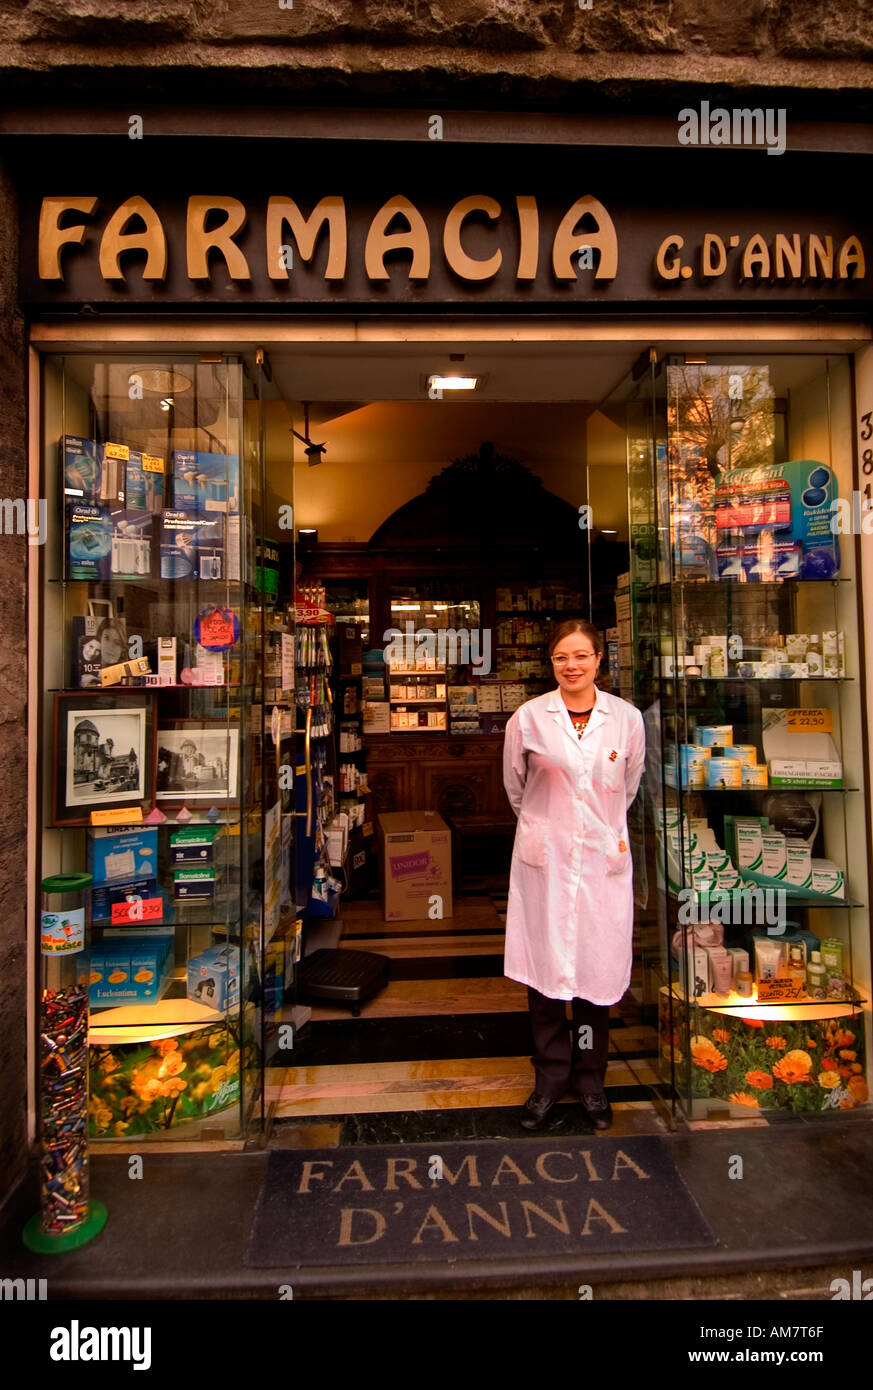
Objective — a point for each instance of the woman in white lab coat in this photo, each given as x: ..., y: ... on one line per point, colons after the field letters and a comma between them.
x: 572, y: 763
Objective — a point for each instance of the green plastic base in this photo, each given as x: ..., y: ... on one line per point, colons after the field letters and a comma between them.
x: 43, y: 1243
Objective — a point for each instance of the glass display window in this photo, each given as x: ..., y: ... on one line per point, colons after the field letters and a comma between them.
x: 741, y: 612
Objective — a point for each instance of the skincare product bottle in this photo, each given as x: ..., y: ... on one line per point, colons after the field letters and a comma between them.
x: 796, y: 969
x: 816, y: 977
x: 814, y: 658
x: 744, y: 984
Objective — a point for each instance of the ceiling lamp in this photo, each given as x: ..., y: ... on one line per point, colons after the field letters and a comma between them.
x: 453, y: 383
x: 312, y: 451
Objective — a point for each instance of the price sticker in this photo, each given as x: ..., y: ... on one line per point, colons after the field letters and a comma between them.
x: 117, y: 451
x: 138, y: 910
x: 152, y: 463
x: 130, y: 816
x: 809, y: 721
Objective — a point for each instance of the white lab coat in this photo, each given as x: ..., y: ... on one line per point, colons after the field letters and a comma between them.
x: 569, y: 921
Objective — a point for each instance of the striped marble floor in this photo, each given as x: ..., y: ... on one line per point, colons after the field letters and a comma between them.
x: 448, y: 1034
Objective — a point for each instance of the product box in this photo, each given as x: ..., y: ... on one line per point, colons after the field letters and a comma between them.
x: 213, y: 977
x: 205, y: 482
x: 416, y: 864
x: 110, y: 895
x: 144, y: 482
x: 798, y: 863
x: 131, y: 554
x: 773, y: 854
x: 80, y: 469
x: 696, y: 959
x: 714, y: 735
x: 200, y: 883
x: 754, y: 776
x: 349, y: 649
x: 194, y: 844
x: 740, y: 959
x: 745, y: 753
x: 827, y: 878
x: 781, y: 515
x: 376, y: 718
x: 192, y: 545
x: 87, y: 541
x: 119, y: 856
x: 166, y: 651
x: 131, y: 968
x: 723, y: 772
x: 743, y: 840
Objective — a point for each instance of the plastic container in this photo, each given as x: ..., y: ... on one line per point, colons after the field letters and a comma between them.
x: 67, y: 1217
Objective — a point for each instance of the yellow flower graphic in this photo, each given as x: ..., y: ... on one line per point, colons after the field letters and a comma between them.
x: 828, y: 1080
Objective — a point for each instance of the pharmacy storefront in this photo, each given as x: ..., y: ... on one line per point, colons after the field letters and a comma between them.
x: 198, y: 327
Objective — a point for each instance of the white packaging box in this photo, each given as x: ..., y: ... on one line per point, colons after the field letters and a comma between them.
x: 773, y: 854
x: 798, y: 863
x: 824, y: 771
x: 788, y: 767
x: 167, y: 660
x: 749, y: 844
x: 827, y: 878
x: 698, y: 960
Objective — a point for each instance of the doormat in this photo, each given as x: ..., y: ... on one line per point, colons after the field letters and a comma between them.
x: 413, y: 1203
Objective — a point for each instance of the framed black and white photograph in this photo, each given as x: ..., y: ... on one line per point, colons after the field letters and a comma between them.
x: 104, y: 749
x: 197, y: 760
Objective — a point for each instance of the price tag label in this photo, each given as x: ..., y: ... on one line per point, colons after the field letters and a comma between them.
x: 116, y: 451
x: 139, y: 910
x: 809, y: 721
x: 132, y: 816
x: 151, y: 463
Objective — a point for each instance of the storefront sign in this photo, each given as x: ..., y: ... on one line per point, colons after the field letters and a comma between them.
x: 421, y: 249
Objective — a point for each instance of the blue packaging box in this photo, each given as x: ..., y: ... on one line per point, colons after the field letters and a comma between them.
x: 131, y: 554
x: 205, y: 482
x: 103, y: 898
x: 133, y: 968
x: 87, y: 541
x: 144, y: 482
x: 192, y: 545
x: 213, y: 977
x: 81, y: 469
x: 118, y: 856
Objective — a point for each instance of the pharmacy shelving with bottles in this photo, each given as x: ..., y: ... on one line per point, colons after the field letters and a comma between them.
x: 417, y: 697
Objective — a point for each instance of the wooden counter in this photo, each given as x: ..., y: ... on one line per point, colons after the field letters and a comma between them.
x: 453, y: 774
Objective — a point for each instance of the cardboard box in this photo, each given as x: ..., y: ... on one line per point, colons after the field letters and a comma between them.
x: 133, y: 968
x: 205, y: 482
x: 196, y: 884
x: 119, y: 856
x: 194, y: 844
x: 213, y: 977
x: 192, y: 545
x: 416, y: 864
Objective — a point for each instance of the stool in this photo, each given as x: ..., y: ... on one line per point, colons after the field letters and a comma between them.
x: 344, y: 977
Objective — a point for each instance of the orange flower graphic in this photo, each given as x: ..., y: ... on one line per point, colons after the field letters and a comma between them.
x: 858, y: 1088
x: 844, y: 1038
x: 828, y: 1080
x: 848, y: 1055
x: 753, y: 1023
x: 721, y: 1035
x: 743, y: 1098
x: 828, y: 1064
x: 778, y: 1044
x: 761, y: 1080
x: 794, y: 1067
x: 705, y: 1054
x: 811, y: 1042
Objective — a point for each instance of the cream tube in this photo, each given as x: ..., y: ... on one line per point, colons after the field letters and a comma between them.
x: 721, y: 966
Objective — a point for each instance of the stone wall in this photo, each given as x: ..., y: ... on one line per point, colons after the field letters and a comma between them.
x: 495, y: 51
x: 13, y: 712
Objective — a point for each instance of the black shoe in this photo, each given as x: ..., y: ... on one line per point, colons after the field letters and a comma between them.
x: 536, y: 1110
x: 598, y: 1110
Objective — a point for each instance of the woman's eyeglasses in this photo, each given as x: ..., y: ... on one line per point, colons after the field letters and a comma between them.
x: 562, y: 660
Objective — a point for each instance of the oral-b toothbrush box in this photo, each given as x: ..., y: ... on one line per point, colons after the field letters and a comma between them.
x: 192, y: 545
x: 131, y: 555
x: 205, y: 482
x: 80, y: 468
x: 87, y: 542
x: 144, y: 482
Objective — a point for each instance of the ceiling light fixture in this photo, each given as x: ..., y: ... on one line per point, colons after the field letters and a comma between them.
x: 453, y: 383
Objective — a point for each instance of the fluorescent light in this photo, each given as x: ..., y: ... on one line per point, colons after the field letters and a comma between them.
x: 405, y: 607
x: 453, y: 383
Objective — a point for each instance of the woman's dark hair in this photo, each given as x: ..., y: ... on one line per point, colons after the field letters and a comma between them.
x: 571, y: 625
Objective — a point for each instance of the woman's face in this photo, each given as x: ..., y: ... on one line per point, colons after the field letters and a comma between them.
x: 575, y: 664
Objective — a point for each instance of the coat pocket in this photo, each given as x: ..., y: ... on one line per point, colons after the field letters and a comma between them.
x: 613, y: 762
x: 618, y: 856
x: 530, y: 842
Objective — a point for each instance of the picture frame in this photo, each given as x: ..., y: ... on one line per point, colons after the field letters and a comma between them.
x: 104, y: 753
x: 197, y: 760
